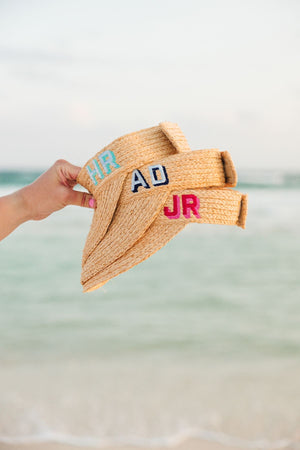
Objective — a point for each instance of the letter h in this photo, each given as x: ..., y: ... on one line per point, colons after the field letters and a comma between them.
x: 94, y: 172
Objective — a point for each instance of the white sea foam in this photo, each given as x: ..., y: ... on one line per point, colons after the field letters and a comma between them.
x: 165, y: 441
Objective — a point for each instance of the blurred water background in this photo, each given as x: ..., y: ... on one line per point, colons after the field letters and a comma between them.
x: 201, y: 340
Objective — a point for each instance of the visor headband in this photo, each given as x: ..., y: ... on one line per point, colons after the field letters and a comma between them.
x: 139, y: 203
x: 211, y: 206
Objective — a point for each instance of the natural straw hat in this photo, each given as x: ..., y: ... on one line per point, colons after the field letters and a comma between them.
x: 213, y: 206
x: 104, y: 174
x: 145, y: 191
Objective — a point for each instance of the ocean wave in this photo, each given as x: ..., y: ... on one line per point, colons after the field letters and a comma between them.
x: 18, y: 178
x: 268, y: 179
x: 174, y: 440
x: 257, y: 178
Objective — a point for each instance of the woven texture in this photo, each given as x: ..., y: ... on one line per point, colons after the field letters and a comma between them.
x: 137, y: 210
x: 217, y: 206
x: 130, y: 151
x: 149, y: 185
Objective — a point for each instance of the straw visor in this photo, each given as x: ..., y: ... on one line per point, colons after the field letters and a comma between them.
x: 134, y: 179
x: 216, y: 206
x: 143, y: 196
x: 104, y: 174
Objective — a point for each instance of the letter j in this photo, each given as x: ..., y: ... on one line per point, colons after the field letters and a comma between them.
x: 176, y: 209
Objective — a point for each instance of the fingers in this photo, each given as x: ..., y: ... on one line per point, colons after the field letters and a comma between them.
x: 81, y: 199
x: 67, y: 172
x: 72, y: 171
x: 67, y: 175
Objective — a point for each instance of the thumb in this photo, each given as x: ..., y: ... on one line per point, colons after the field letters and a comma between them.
x: 81, y: 199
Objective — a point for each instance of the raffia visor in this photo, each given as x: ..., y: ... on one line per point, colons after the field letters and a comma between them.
x: 216, y: 206
x: 145, y: 191
x: 104, y: 174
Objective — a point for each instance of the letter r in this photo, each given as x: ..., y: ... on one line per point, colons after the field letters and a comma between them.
x: 190, y: 202
x: 108, y: 159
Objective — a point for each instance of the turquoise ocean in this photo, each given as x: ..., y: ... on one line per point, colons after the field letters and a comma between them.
x: 200, y: 341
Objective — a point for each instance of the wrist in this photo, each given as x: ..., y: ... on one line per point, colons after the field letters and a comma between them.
x: 22, y: 205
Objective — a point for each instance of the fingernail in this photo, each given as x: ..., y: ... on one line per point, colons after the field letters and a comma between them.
x: 92, y: 203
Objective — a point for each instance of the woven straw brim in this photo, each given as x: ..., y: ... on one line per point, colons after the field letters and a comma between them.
x: 131, y: 151
x: 136, y: 149
x: 137, y: 210
x: 217, y: 206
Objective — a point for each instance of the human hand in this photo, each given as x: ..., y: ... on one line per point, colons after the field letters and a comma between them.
x: 52, y: 191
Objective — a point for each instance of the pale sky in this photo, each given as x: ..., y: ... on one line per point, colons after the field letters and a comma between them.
x: 76, y: 74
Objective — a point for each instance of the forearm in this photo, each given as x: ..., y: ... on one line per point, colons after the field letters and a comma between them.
x: 50, y: 192
x: 13, y: 212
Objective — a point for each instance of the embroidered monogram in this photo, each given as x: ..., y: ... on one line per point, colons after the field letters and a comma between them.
x: 163, y: 176
x: 190, y: 203
x: 158, y: 174
x: 138, y: 180
x: 158, y: 179
x: 107, y: 160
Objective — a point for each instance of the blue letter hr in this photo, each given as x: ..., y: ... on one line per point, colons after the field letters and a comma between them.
x: 108, y: 160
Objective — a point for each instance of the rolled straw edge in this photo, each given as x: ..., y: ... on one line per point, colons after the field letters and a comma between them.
x: 241, y: 222
x: 175, y: 136
x: 229, y: 170
x: 91, y: 289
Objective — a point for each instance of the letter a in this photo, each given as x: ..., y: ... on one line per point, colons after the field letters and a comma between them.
x: 138, y: 180
x: 190, y: 202
x: 176, y: 209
